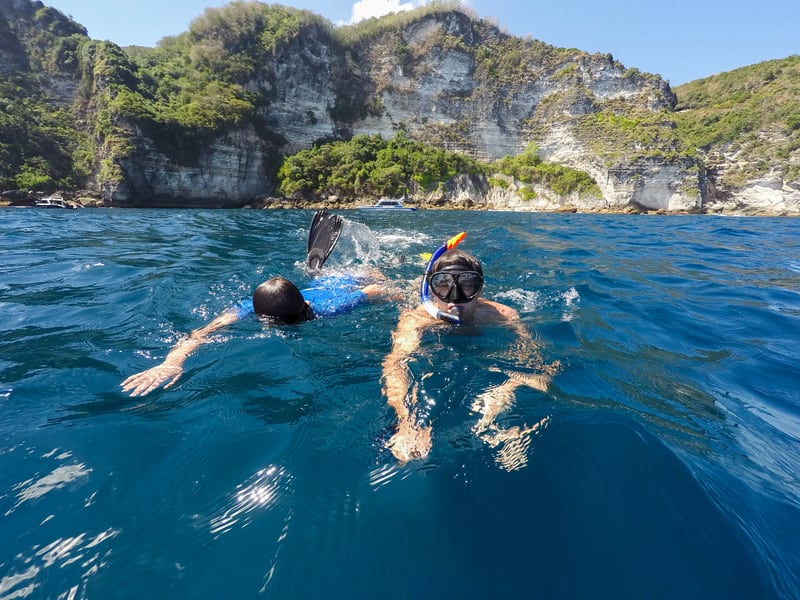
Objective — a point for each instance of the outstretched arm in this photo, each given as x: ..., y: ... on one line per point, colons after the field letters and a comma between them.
x: 524, y: 350
x: 171, y: 368
x: 381, y: 292
x: 410, y: 441
x: 497, y: 399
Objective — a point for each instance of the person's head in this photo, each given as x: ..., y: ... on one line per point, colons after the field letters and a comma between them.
x: 279, y: 299
x: 456, y: 278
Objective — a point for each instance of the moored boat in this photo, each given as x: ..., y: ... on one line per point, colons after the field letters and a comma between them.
x: 54, y: 201
x: 389, y: 204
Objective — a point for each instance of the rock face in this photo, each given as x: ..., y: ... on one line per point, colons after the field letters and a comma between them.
x: 651, y: 184
x: 768, y: 194
x: 444, y: 78
x: 431, y: 80
x: 229, y: 174
x: 443, y: 94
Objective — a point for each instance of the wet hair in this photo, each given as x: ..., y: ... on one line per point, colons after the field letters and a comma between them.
x: 452, y: 259
x: 279, y: 299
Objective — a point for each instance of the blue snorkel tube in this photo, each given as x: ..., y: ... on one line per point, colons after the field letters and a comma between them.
x: 424, y: 290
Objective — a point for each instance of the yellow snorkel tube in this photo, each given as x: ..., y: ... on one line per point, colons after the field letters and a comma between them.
x: 424, y: 290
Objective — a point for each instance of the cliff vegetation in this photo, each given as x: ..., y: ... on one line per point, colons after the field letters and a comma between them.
x: 261, y: 99
x: 752, y: 112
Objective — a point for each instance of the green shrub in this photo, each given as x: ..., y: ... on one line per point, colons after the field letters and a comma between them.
x: 528, y: 167
x: 367, y: 165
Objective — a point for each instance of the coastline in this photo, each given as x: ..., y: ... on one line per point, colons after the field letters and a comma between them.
x: 81, y: 199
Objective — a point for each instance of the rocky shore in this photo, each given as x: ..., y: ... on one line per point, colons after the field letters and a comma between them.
x: 82, y: 199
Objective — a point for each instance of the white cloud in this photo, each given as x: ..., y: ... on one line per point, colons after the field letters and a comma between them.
x: 366, y: 9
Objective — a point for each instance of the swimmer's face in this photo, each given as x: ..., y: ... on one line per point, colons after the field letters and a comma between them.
x: 456, y: 287
x: 456, y: 284
x: 456, y: 280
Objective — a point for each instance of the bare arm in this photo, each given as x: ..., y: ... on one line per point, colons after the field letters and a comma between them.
x: 380, y: 292
x: 409, y: 441
x: 524, y: 350
x: 171, y: 368
x: 497, y: 399
x: 396, y: 380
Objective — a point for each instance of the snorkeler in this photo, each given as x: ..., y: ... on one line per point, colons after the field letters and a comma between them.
x: 277, y: 300
x: 456, y: 279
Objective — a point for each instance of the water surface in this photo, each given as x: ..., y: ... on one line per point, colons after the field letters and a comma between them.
x: 668, y: 466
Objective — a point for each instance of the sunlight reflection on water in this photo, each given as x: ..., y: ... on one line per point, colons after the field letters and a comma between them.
x: 260, y: 492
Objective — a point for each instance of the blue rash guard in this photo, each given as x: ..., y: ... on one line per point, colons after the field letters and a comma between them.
x: 328, y: 295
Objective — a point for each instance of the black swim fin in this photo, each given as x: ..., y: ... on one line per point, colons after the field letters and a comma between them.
x: 322, y: 237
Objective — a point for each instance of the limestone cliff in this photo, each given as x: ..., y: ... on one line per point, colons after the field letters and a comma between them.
x: 443, y: 76
x: 450, y: 80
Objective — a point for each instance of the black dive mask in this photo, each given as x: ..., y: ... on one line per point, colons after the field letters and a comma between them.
x: 458, y: 287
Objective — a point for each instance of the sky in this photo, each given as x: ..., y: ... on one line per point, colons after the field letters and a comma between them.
x: 681, y: 40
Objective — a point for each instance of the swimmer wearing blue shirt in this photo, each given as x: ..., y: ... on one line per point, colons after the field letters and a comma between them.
x: 278, y: 301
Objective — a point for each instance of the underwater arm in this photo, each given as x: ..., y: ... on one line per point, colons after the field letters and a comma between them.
x: 525, y: 350
x: 380, y: 290
x: 410, y: 441
x: 510, y: 444
x: 497, y: 399
x: 171, y: 368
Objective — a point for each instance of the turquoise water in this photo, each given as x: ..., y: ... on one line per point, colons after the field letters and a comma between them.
x: 668, y: 467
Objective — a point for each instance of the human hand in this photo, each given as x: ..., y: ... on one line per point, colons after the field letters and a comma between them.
x: 410, y: 442
x: 145, y: 382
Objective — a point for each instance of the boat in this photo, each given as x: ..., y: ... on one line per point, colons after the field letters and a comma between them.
x: 389, y: 204
x: 54, y: 201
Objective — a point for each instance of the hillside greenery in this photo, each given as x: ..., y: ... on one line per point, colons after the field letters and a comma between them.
x: 754, y: 110
x: 367, y: 165
x: 529, y: 168
x: 37, y: 140
x: 38, y: 137
x: 369, y: 29
x: 184, y: 92
x: 630, y: 135
x: 193, y: 87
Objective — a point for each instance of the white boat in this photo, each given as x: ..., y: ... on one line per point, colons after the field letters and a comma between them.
x: 389, y: 204
x: 54, y: 201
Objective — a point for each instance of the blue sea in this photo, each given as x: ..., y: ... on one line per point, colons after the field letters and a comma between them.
x: 667, y: 464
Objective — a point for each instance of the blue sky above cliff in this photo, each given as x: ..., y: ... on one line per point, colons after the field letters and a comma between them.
x: 681, y: 40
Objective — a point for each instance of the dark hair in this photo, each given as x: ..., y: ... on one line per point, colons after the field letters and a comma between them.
x: 457, y: 258
x: 280, y: 299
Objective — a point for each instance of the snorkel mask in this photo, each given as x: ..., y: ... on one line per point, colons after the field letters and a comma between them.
x: 454, y: 316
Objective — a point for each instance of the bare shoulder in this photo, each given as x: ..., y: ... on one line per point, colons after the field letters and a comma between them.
x: 494, y: 311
